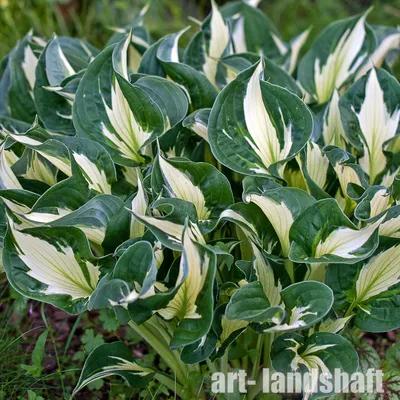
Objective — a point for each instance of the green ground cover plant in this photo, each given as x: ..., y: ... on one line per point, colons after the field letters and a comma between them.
x: 232, y: 203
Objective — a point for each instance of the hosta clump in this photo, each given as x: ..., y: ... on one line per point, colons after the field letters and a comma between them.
x: 224, y: 200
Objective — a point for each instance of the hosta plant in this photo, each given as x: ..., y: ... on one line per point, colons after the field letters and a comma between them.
x: 232, y: 202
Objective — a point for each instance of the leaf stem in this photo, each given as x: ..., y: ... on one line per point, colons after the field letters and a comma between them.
x: 224, y: 364
x: 316, y: 272
x: 259, y: 350
x: 353, y: 305
x: 289, y: 266
x: 166, y: 354
x: 268, y: 339
x: 170, y: 383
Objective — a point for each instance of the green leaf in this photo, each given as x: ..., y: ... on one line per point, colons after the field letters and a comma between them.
x: 335, y: 56
x: 109, y: 320
x: 370, y: 118
x: 122, y: 116
x: 33, y: 396
x: 249, y: 303
x: 198, y: 122
x: 323, y: 234
x: 253, y: 32
x: 113, y: 359
x: 90, y: 340
x: 198, y: 183
x: 57, y: 78
x: 22, y: 65
x: 322, y: 351
x: 37, y: 356
x: 210, y: 44
x: 53, y: 265
x: 370, y: 289
x: 255, y: 127
x: 273, y: 73
x: 306, y: 304
x: 193, y: 304
x: 281, y: 206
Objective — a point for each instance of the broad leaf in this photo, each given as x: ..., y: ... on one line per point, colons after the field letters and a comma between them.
x: 335, y: 56
x: 370, y: 116
x: 121, y: 116
x: 320, y: 353
x: 370, y: 289
x: 281, y: 206
x: 193, y: 303
x: 198, y: 183
x: 53, y: 265
x: 255, y: 127
x: 323, y: 234
x: 110, y: 359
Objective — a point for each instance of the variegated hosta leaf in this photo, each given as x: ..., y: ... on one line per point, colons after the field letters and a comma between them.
x: 273, y: 73
x: 314, y: 165
x: 57, y: 79
x: 11, y: 124
x: 348, y: 174
x: 374, y: 202
x: 59, y: 200
x: 334, y: 325
x: 226, y: 331
x: 255, y: 126
x: 139, y: 206
x: 320, y: 353
x: 390, y: 227
x: 198, y: 122
x: 93, y: 160
x: 209, y: 45
x: 370, y: 289
x: 138, y: 267
x: 20, y: 73
x: 95, y: 218
x: 198, y: 183
x: 121, y: 116
x: 110, y: 359
x: 53, y: 265
x: 265, y: 275
x: 281, y: 206
x: 388, y: 40
x: 169, y: 96
x: 12, y: 193
x: 323, y: 234
x: 253, y: 32
x: 255, y: 225
x: 295, y: 46
x: 34, y: 167
x: 306, y: 303
x: 249, y: 303
x: 193, y: 303
x: 200, y: 92
x: 370, y: 114
x: 332, y: 128
x: 335, y: 56
x: 167, y: 219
